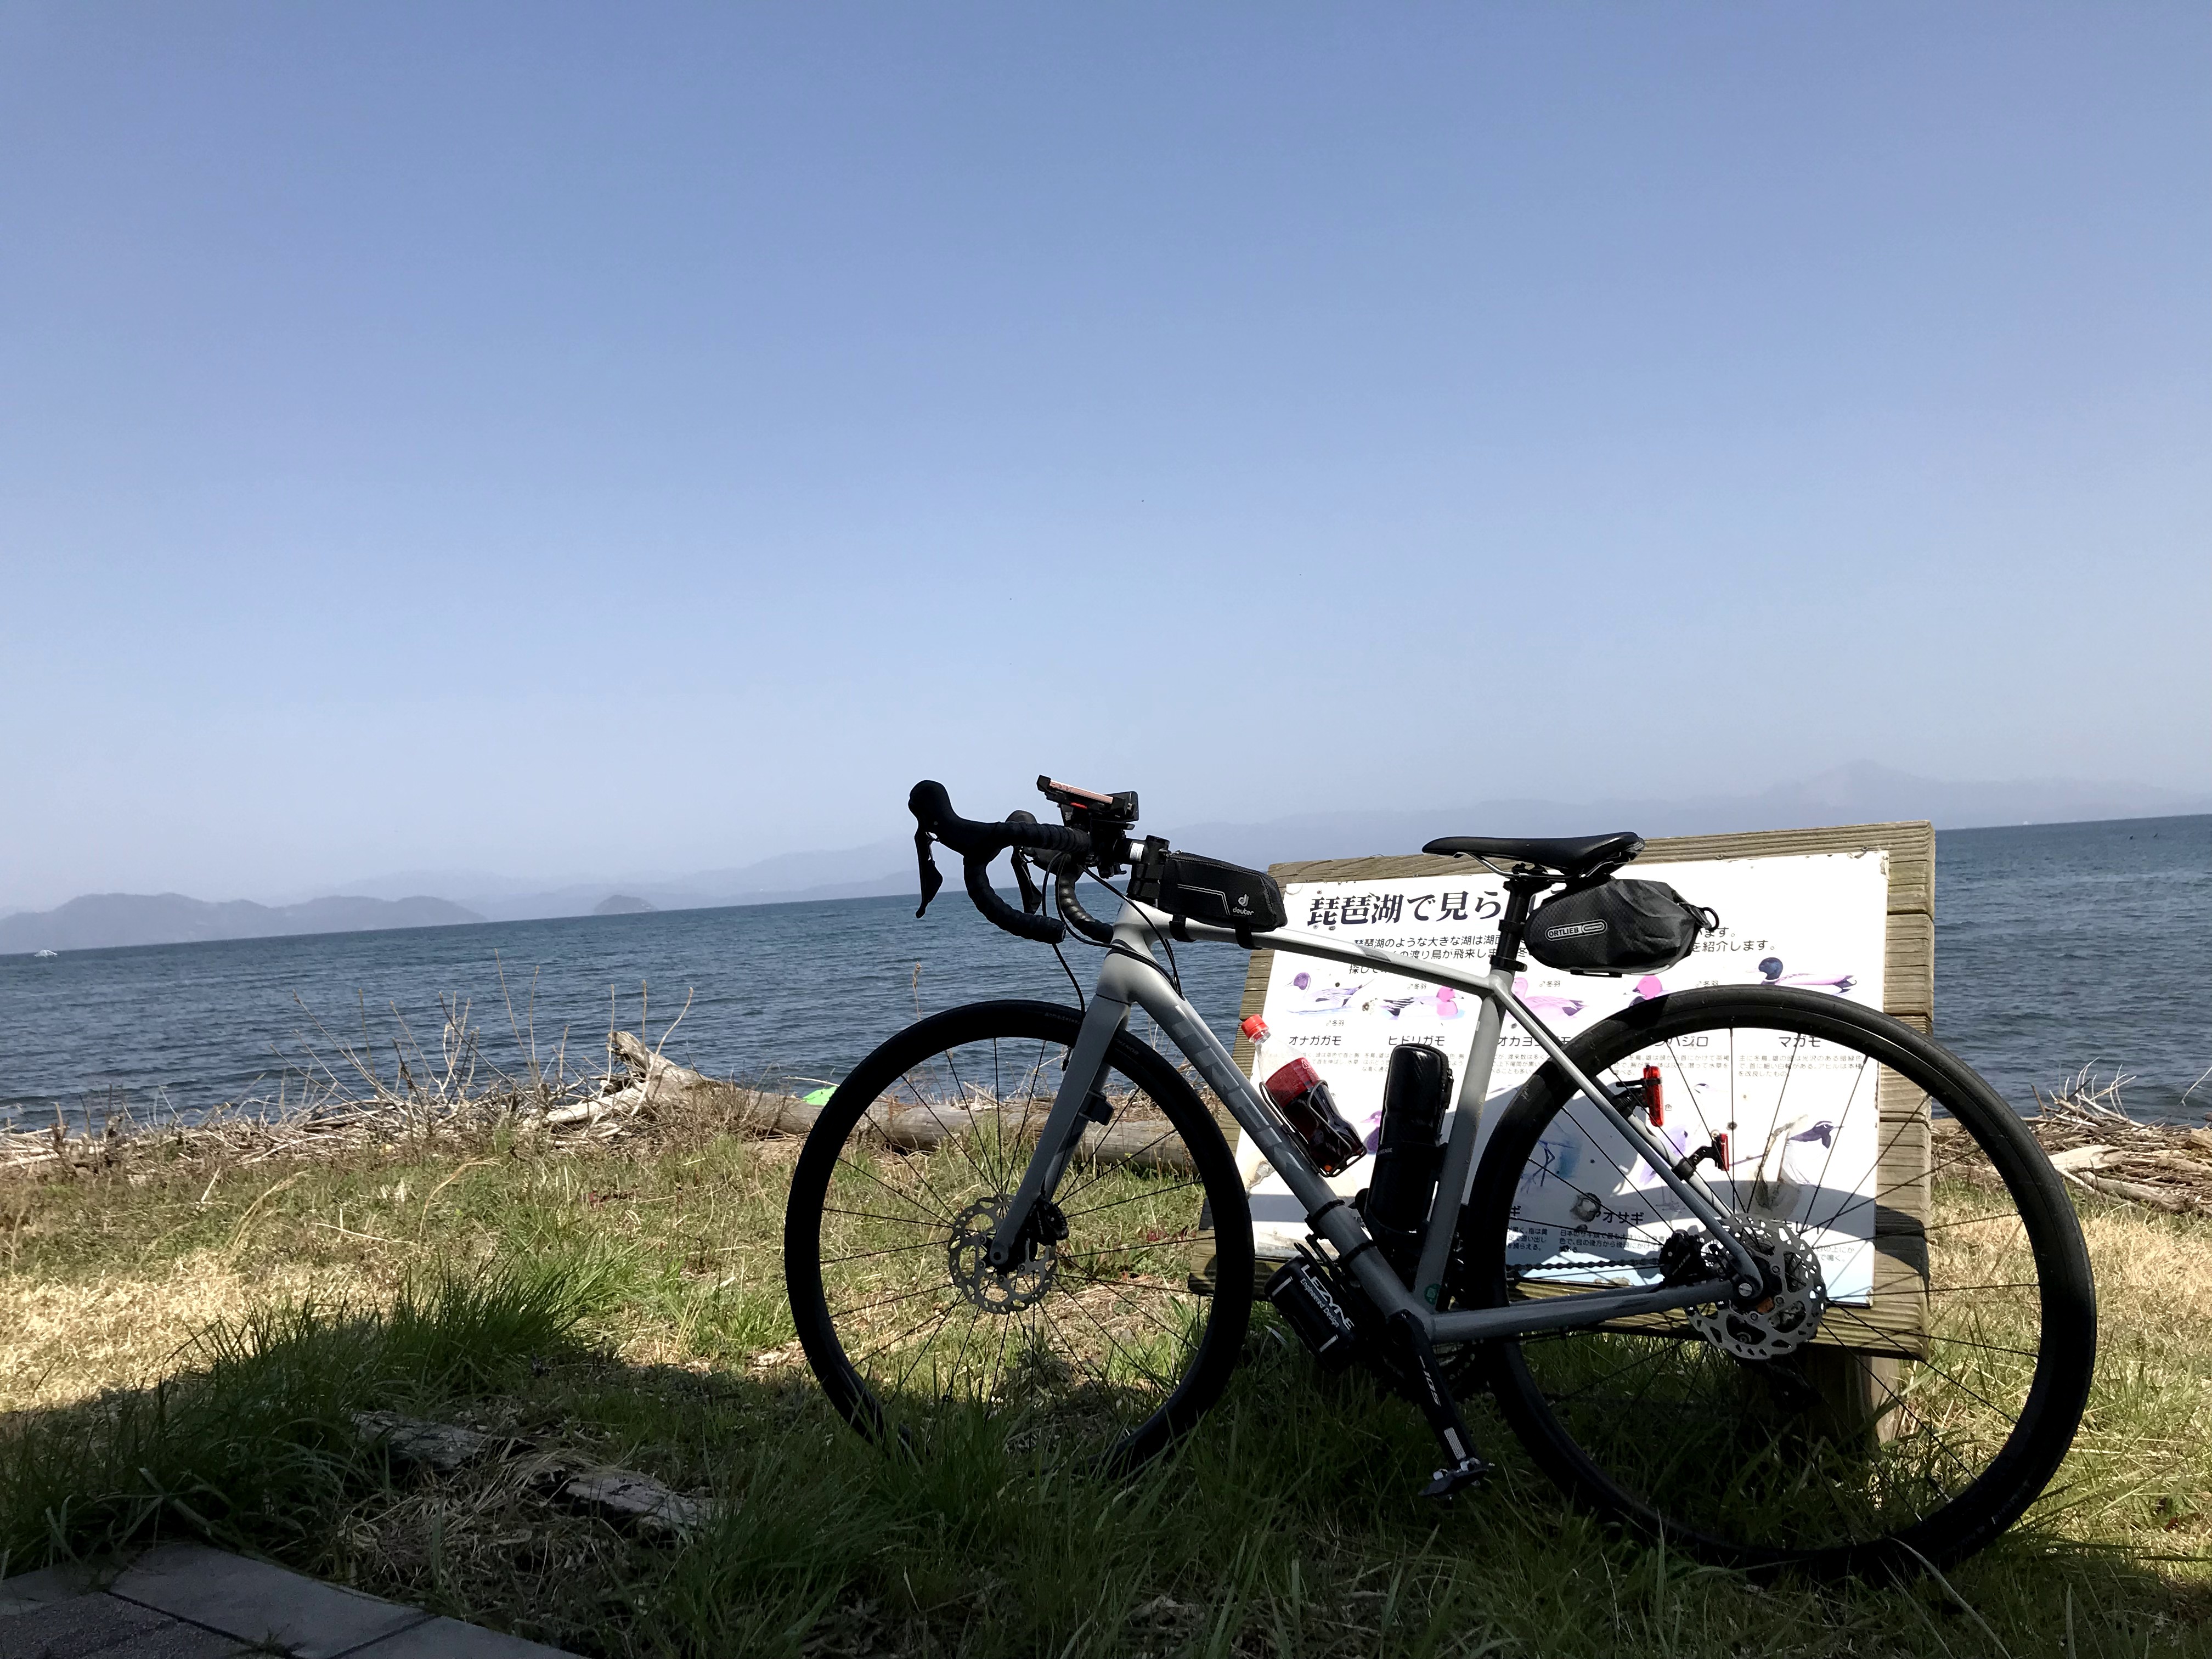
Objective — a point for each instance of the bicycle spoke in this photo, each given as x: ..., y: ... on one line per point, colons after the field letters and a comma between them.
x: 1087, y: 1338
x: 855, y: 1165
x: 1835, y: 1136
x: 889, y: 1249
x: 1134, y: 1198
x: 1784, y: 1454
x: 871, y: 1215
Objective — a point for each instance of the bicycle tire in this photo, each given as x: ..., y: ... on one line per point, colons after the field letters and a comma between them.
x: 1121, y: 1348
x: 1747, y: 1461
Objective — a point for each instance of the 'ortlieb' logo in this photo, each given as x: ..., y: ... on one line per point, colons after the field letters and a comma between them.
x: 1574, y: 929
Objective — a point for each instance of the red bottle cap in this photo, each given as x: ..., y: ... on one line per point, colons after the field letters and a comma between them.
x: 1256, y: 1028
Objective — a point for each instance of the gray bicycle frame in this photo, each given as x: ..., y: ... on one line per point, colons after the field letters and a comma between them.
x: 1131, y: 978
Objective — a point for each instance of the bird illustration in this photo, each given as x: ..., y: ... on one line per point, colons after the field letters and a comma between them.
x: 1443, y: 999
x: 1793, y: 1165
x: 1543, y: 1002
x: 1770, y: 970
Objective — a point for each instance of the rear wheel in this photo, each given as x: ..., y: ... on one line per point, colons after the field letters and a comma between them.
x: 1105, y: 1342
x: 1939, y: 1270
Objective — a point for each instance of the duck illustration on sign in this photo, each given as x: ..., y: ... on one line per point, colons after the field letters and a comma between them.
x: 1544, y: 1003
x: 1792, y: 1167
x: 1771, y: 974
x: 1444, y: 1002
x: 1331, y: 998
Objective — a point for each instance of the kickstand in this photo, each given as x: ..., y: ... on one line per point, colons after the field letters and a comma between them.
x: 1427, y: 1384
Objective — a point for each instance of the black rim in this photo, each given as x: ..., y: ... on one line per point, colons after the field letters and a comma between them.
x: 1100, y: 1344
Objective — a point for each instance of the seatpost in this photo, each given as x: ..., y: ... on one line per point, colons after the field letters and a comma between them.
x: 1457, y: 1176
x: 1521, y: 890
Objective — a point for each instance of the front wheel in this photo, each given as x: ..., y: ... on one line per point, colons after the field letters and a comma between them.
x: 1919, y: 1371
x: 1105, y: 1342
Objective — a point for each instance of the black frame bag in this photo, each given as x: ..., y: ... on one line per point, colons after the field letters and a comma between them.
x: 1617, y: 927
x: 1192, y: 888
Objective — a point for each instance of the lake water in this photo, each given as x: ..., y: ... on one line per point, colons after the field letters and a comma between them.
x: 2058, y: 946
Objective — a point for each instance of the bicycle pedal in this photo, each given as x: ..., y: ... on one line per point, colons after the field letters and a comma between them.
x: 1447, y: 1483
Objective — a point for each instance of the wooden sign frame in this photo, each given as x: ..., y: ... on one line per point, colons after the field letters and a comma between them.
x: 1901, y: 1171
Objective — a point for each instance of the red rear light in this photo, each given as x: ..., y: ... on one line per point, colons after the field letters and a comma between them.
x: 1720, y: 1149
x: 1653, y: 1102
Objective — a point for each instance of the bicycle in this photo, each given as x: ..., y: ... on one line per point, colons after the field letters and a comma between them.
x: 1018, y: 1210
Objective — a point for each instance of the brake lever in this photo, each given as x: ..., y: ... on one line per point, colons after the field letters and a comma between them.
x: 930, y: 878
x: 1032, y: 900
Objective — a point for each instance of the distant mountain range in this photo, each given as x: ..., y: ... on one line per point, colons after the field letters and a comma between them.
x: 1862, y: 792
x: 99, y: 920
x: 1859, y: 793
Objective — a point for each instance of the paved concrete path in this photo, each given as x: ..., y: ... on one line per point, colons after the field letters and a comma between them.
x: 188, y: 1601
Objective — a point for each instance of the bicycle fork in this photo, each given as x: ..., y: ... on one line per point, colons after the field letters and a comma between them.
x: 1072, y: 1109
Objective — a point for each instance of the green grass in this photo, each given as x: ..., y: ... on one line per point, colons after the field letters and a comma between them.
x: 628, y: 1307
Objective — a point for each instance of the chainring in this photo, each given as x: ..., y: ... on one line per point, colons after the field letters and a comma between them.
x: 1784, y: 1320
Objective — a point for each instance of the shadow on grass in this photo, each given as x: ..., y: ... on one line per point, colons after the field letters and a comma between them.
x: 1287, y: 1524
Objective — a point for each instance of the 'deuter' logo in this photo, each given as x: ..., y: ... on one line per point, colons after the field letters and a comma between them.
x: 1574, y: 930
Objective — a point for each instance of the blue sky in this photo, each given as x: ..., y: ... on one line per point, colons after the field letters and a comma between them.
x: 632, y: 439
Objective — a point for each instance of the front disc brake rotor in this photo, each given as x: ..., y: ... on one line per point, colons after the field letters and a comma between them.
x: 1785, y: 1320
x: 1009, y: 1289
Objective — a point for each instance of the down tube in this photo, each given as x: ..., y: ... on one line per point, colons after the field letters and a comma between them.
x: 1151, y: 991
x: 1327, y: 1214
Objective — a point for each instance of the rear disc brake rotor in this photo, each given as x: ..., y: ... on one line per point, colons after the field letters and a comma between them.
x: 1786, y: 1320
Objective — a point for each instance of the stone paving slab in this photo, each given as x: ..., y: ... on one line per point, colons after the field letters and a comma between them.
x: 34, y: 1589
x: 449, y: 1639
x: 255, y: 1601
x: 97, y: 1626
x: 188, y: 1601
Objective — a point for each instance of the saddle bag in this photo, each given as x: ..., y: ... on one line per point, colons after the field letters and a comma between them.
x: 1617, y: 927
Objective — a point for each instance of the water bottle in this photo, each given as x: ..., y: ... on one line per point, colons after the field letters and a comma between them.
x: 1306, y: 1105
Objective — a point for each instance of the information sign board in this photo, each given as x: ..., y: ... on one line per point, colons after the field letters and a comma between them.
x: 1823, y: 910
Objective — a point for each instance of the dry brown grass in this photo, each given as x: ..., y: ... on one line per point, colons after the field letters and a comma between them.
x: 61, y: 1342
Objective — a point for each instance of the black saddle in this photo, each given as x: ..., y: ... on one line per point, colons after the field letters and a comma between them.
x: 1572, y: 856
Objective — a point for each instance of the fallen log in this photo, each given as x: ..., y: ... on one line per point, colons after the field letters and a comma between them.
x: 620, y: 1495
x: 661, y: 1086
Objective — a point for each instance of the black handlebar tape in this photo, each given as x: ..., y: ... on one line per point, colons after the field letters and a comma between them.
x: 933, y: 809
x: 1050, y: 838
x: 1046, y: 930
x: 1071, y: 907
